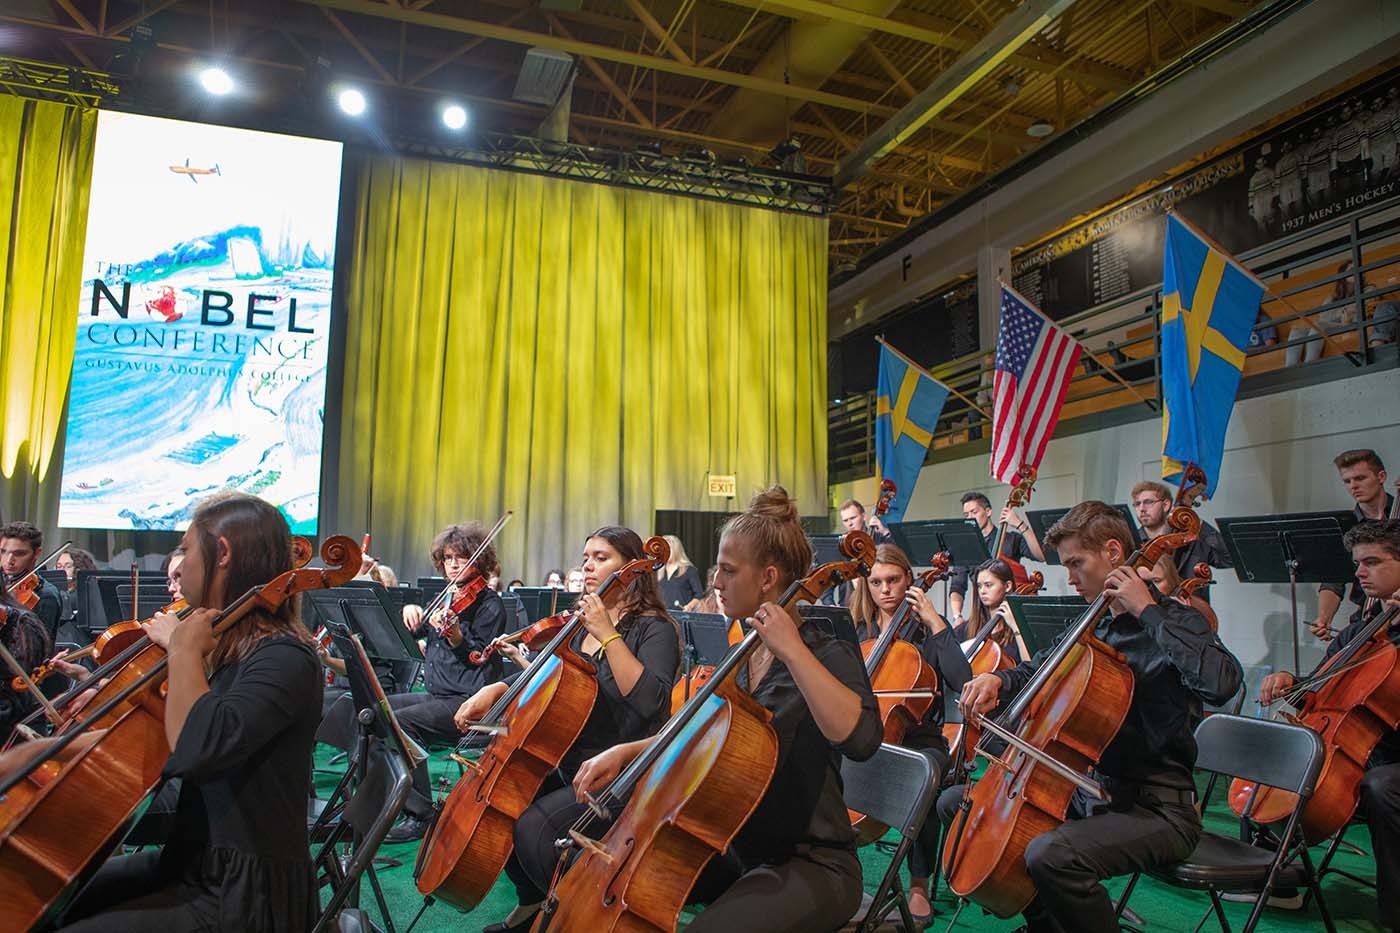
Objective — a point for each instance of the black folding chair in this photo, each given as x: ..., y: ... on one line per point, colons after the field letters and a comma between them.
x: 895, y: 787
x: 1263, y: 752
x: 1233, y: 708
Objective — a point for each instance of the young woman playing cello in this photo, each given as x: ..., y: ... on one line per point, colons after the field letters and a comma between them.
x: 240, y: 716
x: 875, y: 602
x: 635, y: 647
x: 792, y: 866
x: 994, y: 581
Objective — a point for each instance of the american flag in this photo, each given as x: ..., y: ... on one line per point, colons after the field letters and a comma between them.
x: 1034, y: 363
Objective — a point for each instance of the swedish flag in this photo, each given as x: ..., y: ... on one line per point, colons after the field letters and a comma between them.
x: 1209, y: 303
x: 907, y: 407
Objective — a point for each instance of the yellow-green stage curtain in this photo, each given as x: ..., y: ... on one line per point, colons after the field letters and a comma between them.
x: 578, y: 353
x: 45, y: 170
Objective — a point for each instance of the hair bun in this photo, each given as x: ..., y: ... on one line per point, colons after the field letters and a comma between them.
x: 775, y: 504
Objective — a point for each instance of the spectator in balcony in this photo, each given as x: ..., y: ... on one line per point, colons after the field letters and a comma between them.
x: 1333, y: 319
x: 1264, y: 334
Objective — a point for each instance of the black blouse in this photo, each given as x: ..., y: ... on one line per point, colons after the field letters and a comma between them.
x: 244, y: 755
x: 680, y: 589
x: 804, y: 804
x: 449, y: 671
x: 616, y: 719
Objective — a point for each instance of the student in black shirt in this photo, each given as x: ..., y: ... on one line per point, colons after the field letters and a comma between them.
x: 679, y: 580
x: 1363, y: 474
x: 21, y: 549
x: 240, y: 716
x: 449, y: 674
x: 636, y: 649
x: 1019, y: 544
x: 24, y: 636
x: 1375, y: 546
x: 1177, y: 664
x: 889, y: 586
x: 792, y: 866
x: 994, y: 581
x: 1152, y: 501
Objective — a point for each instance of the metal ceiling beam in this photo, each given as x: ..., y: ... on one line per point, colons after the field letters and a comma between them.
x: 945, y: 37
x: 1015, y: 30
x: 1230, y: 8
x: 601, y: 52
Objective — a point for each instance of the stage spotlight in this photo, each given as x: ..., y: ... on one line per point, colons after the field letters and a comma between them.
x: 351, y: 101
x: 454, y: 116
x: 216, y: 81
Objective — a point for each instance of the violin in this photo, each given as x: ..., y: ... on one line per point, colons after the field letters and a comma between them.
x: 533, y: 726
x: 1056, y: 730
x: 687, y: 794
x: 1020, y: 494
x: 25, y: 590
x: 63, y: 810
x: 904, y: 683
x: 1352, y: 702
x: 533, y: 637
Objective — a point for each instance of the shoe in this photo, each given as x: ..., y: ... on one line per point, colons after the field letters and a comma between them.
x: 410, y: 828
x: 521, y: 927
x: 1282, y: 898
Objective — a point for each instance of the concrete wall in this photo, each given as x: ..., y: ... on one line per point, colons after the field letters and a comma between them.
x: 1278, y: 458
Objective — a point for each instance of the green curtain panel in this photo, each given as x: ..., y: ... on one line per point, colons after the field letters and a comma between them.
x: 45, y: 170
x: 578, y: 353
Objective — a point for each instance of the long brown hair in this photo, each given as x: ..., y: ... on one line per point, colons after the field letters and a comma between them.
x: 864, y: 612
x: 1002, y: 571
x: 642, y: 596
x: 260, y: 548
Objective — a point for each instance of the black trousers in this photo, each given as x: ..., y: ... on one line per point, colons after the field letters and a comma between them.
x: 1380, y: 801
x: 131, y: 893
x: 425, y: 718
x: 814, y: 889
x: 1069, y: 863
x: 924, y: 853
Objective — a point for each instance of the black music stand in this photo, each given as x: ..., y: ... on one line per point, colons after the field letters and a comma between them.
x: 367, y: 612
x: 1299, y: 547
x: 834, y: 620
x: 826, y: 549
x: 960, y: 537
x: 704, y: 637
x: 540, y: 600
x: 350, y: 808
x: 1040, y: 521
x: 1042, y: 619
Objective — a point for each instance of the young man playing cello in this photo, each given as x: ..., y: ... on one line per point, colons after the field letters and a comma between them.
x: 1363, y: 474
x: 1177, y: 663
x: 1375, y: 546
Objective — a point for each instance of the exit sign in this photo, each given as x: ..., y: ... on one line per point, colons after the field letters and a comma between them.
x: 721, y: 486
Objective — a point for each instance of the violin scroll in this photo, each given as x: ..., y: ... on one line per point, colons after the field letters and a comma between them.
x: 1193, y: 487
x: 939, y: 566
x: 302, y: 551
x: 657, y: 549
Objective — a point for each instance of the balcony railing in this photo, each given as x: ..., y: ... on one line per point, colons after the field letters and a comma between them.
x: 1333, y: 299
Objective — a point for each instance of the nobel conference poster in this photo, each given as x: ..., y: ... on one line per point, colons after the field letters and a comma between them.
x: 203, y: 323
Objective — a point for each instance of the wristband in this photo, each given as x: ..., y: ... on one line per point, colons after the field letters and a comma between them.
x: 608, y: 641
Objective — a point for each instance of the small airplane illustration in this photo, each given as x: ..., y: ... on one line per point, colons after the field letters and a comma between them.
x: 191, y: 172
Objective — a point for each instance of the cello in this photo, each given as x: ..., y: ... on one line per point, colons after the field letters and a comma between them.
x: 688, y: 793
x: 64, y: 808
x: 1351, y: 702
x: 535, y: 723
x: 1056, y: 729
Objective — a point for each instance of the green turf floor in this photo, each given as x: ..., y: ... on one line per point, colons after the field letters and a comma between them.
x: 1161, y: 908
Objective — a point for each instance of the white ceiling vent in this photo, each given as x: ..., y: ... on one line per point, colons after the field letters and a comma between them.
x: 542, y: 76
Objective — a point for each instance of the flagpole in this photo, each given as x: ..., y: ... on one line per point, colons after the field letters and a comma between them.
x: 1092, y: 355
x: 1301, y: 315
x: 895, y: 350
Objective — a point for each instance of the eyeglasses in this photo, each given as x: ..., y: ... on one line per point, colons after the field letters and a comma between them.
x: 1144, y: 503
